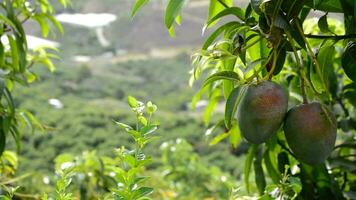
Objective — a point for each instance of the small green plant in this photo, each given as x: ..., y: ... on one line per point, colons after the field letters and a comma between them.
x: 112, y: 178
x: 132, y: 162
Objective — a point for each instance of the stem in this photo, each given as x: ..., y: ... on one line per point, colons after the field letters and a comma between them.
x: 334, y: 37
x: 285, y: 148
x: 223, y: 3
x: 339, y: 100
x: 318, y: 68
x: 252, y: 44
x: 299, y: 68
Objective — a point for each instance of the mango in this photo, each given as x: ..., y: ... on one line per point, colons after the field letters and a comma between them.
x: 310, y: 130
x: 262, y: 111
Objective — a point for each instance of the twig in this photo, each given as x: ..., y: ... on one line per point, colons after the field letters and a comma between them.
x: 317, y: 66
x: 299, y: 68
x: 334, y: 37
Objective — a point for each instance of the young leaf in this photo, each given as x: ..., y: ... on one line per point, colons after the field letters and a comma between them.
x: 215, y: 7
x: 173, y: 9
x: 137, y: 6
x: 218, y: 138
x: 235, y: 135
x: 223, y: 75
x: 236, y: 11
x: 213, y: 102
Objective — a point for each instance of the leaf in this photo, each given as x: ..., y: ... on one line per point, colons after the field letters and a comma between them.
x: 124, y: 126
x: 327, y: 6
x: 256, y: 6
x: 348, y: 61
x: 56, y: 23
x: 215, y: 7
x: 2, y: 142
x: 248, y: 162
x: 141, y: 192
x: 259, y: 174
x: 43, y: 24
x: 217, y: 32
x: 273, y: 173
x: 218, y: 138
x: 323, y: 24
x: 14, y: 53
x: 137, y: 6
x: 213, y: 102
x: 238, y: 12
x: 222, y: 75
x: 173, y: 9
x: 235, y: 135
x: 281, y: 58
x: 325, y: 59
x: 232, y: 103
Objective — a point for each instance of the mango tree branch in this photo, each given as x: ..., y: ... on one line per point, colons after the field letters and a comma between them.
x: 334, y: 37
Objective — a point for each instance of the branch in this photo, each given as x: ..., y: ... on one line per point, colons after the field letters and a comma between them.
x: 335, y: 37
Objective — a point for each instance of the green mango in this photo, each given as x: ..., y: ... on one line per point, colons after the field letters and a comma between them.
x: 262, y: 111
x: 310, y: 130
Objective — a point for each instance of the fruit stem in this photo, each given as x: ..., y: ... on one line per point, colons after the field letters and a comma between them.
x: 299, y: 68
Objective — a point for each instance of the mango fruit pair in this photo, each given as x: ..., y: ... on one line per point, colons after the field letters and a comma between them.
x: 310, y: 129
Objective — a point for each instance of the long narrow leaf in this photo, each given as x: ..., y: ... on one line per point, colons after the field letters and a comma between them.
x: 223, y: 75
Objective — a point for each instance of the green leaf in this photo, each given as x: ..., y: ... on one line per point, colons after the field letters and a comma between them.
x: 248, y: 163
x: 141, y: 192
x: 213, y: 102
x: 14, y: 53
x: 124, y: 126
x: 43, y: 24
x: 215, y: 7
x: 223, y: 75
x: 259, y: 174
x: 56, y: 23
x: 235, y: 135
x: 137, y: 6
x: 173, y: 9
x: 272, y: 171
x: 323, y: 24
x: 256, y: 6
x: 218, y: 138
x: 325, y: 58
x: 348, y: 61
x: 232, y: 103
x: 238, y: 12
x: 2, y: 142
x: 281, y: 58
x: 327, y: 6
x: 217, y: 32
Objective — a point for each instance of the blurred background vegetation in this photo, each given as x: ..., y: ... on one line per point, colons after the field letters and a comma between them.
x: 92, y: 84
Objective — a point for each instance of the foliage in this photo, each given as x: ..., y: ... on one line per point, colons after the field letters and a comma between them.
x: 274, y: 40
x: 17, y: 60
